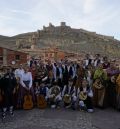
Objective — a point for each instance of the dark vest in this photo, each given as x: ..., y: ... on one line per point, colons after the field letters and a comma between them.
x: 67, y: 89
x: 43, y: 91
x: 70, y: 71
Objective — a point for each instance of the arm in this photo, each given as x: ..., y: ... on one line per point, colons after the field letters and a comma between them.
x: 90, y: 93
x: 47, y: 93
x: 30, y: 84
x: 22, y: 83
x: 54, y: 72
x: 74, y: 72
x: 63, y: 91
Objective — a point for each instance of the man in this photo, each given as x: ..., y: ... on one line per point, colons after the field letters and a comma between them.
x: 97, y: 60
x: 55, y: 96
x: 8, y: 85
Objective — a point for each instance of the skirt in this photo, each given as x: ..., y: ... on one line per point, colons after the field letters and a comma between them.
x: 21, y: 93
x: 111, y: 94
x: 99, y: 98
x: 118, y: 102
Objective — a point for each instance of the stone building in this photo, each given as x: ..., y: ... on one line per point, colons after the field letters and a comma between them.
x: 46, y: 53
x: 12, y: 57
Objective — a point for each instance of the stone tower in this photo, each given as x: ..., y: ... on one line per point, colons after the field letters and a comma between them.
x: 34, y: 39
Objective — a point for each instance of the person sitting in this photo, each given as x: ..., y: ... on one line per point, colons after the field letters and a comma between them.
x: 85, y: 97
x: 66, y: 94
x: 41, y: 89
x: 55, y: 96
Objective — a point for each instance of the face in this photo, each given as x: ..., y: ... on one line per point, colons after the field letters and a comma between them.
x: 89, y: 67
x: 9, y: 70
x: 87, y: 56
x: 26, y: 69
x: 97, y: 56
x: 42, y: 85
x: 112, y: 65
x: 100, y: 66
x: 105, y: 59
x: 36, y: 83
x: 70, y: 83
x: 84, y: 83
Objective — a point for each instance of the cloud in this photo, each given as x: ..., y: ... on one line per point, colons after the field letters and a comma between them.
x: 20, y: 11
x: 89, y: 6
x: 101, y: 16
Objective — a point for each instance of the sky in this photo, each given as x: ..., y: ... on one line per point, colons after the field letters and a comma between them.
x: 21, y: 16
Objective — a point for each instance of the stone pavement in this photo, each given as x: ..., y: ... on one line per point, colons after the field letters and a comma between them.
x: 106, y: 119
x: 59, y: 119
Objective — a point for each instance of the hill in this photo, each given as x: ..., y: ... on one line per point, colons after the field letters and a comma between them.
x: 66, y: 38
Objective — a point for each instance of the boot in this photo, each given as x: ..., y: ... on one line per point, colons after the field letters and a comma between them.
x: 4, y: 113
x: 11, y: 111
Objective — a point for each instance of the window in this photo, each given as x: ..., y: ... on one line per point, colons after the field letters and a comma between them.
x: 1, y: 58
x: 50, y: 54
x: 17, y: 57
x: 46, y: 55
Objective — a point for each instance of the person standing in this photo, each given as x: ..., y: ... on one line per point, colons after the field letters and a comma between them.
x: 99, y: 87
x: 8, y: 85
x: 26, y: 85
x: 118, y: 92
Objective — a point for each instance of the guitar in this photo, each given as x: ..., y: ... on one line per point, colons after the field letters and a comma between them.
x: 28, y: 103
x: 98, y: 84
x: 67, y: 98
x: 41, y: 102
x: 83, y: 95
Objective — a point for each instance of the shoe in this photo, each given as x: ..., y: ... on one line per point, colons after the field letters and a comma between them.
x: 12, y: 114
x: 53, y: 106
x: 11, y: 111
x: 90, y: 110
x: 67, y: 106
x: 3, y: 115
x: 58, y: 107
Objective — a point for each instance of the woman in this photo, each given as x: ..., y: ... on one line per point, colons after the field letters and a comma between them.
x: 112, y: 72
x: 99, y: 87
x: 118, y: 92
x: 89, y: 72
x: 26, y: 86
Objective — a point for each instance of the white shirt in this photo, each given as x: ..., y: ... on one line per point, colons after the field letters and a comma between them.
x: 54, y: 72
x: 65, y: 88
x: 89, y: 93
x: 19, y: 72
x: 26, y: 77
x: 60, y: 70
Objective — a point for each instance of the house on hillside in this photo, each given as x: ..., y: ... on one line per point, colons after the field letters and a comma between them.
x: 12, y: 57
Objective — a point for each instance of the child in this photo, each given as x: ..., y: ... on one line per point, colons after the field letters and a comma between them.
x: 74, y: 96
x: 41, y: 89
x: 66, y: 94
x: 85, y: 97
x: 55, y: 96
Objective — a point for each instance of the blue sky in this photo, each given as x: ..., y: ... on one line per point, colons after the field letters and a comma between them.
x: 20, y: 16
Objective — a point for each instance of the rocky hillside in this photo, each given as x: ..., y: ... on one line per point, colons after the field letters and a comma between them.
x: 65, y: 38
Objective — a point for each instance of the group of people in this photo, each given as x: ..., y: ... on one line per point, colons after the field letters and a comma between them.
x: 83, y: 85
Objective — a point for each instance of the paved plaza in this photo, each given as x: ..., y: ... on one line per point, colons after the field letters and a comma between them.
x: 62, y: 119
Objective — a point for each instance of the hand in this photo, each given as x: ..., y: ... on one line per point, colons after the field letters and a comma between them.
x: 14, y: 91
x: 27, y: 88
x: 53, y: 95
